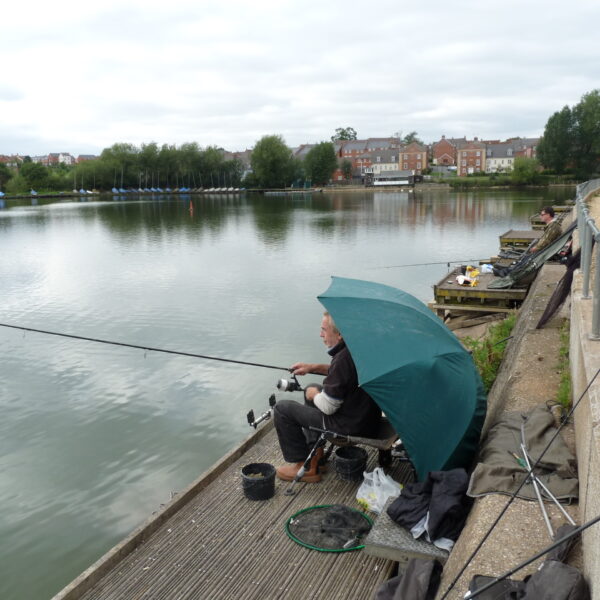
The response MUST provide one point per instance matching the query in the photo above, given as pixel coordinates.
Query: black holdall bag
(554, 580)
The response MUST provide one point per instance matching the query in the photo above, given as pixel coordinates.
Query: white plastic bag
(375, 489)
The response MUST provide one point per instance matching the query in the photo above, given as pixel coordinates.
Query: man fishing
(552, 229)
(338, 405)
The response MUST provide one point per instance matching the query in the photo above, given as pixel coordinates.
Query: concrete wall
(585, 363)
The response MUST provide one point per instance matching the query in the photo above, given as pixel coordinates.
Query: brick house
(444, 152)
(470, 158)
(302, 150)
(525, 146)
(11, 161)
(352, 149)
(381, 144)
(499, 158)
(413, 157)
(56, 158)
(83, 157)
(383, 160)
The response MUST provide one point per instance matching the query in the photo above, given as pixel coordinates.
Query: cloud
(92, 75)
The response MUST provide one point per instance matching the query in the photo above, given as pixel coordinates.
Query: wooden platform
(212, 542)
(449, 295)
(518, 238)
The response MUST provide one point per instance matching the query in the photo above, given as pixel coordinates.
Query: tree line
(131, 167)
(149, 166)
(571, 140)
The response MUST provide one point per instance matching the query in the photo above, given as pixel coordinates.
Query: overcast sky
(80, 76)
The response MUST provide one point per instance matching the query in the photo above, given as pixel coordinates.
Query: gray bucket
(350, 462)
(258, 481)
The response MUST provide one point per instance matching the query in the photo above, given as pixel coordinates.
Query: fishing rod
(145, 348)
(514, 494)
(444, 262)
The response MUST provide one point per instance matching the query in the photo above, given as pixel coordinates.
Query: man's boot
(289, 471)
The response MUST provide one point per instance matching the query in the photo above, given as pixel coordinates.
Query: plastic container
(350, 462)
(258, 481)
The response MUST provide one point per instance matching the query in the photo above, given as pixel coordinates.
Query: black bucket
(258, 481)
(350, 462)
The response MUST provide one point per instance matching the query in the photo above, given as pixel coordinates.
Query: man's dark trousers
(291, 419)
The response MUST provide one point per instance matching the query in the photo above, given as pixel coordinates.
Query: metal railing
(589, 232)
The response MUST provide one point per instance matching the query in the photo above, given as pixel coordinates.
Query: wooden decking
(515, 238)
(212, 542)
(449, 295)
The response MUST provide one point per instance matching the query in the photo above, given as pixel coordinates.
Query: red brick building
(470, 159)
(444, 152)
(413, 157)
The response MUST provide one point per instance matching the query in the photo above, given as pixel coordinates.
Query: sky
(80, 76)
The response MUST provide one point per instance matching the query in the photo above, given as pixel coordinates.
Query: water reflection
(273, 215)
(95, 437)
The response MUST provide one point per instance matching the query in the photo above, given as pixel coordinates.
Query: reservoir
(96, 437)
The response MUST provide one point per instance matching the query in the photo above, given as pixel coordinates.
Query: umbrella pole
(305, 466)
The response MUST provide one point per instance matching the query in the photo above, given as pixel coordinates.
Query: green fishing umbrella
(414, 368)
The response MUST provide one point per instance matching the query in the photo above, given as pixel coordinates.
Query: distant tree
(411, 137)
(525, 170)
(17, 185)
(571, 138)
(344, 133)
(556, 146)
(5, 175)
(272, 162)
(320, 163)
(347, 169)
(148, 165)
(35, 174)
(167, 159)
(586, 117)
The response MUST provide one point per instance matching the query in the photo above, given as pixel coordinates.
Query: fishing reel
(266, 415)
(289, 385)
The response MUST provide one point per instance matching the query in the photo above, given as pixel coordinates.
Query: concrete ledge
(526, 379)
(585, 362)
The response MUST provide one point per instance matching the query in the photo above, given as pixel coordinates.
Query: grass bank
(488, 352)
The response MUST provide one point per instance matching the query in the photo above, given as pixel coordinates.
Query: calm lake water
(94, 437)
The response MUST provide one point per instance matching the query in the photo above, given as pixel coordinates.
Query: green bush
(487, 353)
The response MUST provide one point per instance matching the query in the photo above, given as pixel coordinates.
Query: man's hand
(301, 368)
(310, 393)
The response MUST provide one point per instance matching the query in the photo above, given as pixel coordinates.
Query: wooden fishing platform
(518, 238)
(210, 542)
(450, 296)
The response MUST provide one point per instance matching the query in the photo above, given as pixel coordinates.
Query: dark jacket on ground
(443, 495)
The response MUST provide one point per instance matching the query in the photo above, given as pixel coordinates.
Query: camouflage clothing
(552, 232)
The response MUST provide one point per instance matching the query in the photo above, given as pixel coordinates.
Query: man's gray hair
(332, 322)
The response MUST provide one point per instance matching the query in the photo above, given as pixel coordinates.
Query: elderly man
(552, 229)
(338, 405)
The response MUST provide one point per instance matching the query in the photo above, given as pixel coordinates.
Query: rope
(514, 495)
(146, 348)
